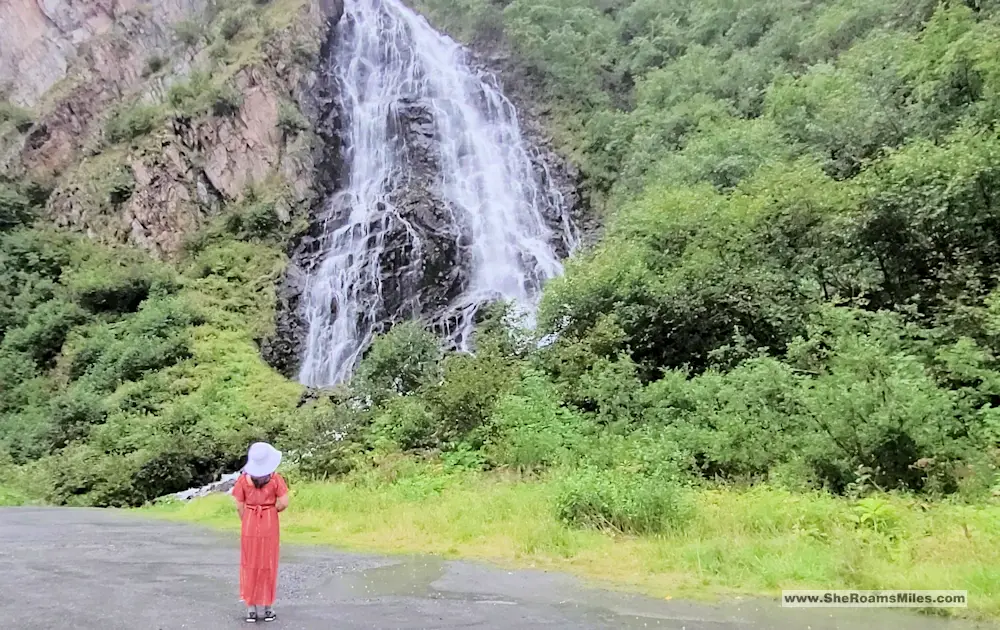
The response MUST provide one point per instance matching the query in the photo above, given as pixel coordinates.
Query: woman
(260, 494)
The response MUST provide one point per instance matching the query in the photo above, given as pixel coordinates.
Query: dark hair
(260, 482)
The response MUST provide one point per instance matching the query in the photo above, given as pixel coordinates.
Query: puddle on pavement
(412, 577)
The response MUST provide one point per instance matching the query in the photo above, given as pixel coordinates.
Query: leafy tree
(399, 362)
(15, 208)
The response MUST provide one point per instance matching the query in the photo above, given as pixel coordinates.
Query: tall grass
(750, 541)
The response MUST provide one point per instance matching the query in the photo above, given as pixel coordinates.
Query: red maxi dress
(259, 540)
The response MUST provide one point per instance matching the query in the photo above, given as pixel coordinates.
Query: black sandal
(251, 616)
(269, 615)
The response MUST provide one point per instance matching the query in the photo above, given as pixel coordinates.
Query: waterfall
(439, 188)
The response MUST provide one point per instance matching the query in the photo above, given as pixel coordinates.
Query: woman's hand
(281, 503)
(241, 508)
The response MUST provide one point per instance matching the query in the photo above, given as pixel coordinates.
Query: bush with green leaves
(225, 100)
(31, 263)
(15, 208)
(231, 23)
(797, 282)
(115, 283)
(465, 399)
(130, 122)
(189, 32)
(254, 219)
(189, 93)
(72, 414)
(531, 429)
(120, 186)
(45, 330)
(399, 362)
(855, 393)
(403, 423)
(122, 380)
(19, 117)
(156, 336)
(620, 501)
(290, 119)
(154, 63)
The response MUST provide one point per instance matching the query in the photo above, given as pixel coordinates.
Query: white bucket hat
(262, 459)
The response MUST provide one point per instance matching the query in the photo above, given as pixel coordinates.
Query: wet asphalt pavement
(93, 569)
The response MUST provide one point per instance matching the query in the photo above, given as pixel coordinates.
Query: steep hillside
(799, 269)
(162, 153)
(147, 118)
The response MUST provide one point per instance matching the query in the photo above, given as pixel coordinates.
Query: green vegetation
(798, 276)
(189, 32)
(15, 207)
(236, 32)
(131, 122)
(780, 366)
(124, 378)
(290, 119)
(635, 82)
(226, 100)
(154, 63)
(18, 117)
(103, 182)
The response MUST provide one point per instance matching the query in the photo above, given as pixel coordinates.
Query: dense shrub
(73, 413)
(403, 423)
(399, 362)
(120, 186)
(154, 338)
(189, 93)
(463, 402)
(225, 100)
(97, 381)
(290, 119)
(19, 117)
(40, 253)
(231, 23)
(622, 502)
(117, 288)
(175, 468)
(130, 122)
(189, 32)
(531, 430)
(253, 220)
(44, 331)
(323, 439)
(15, 208)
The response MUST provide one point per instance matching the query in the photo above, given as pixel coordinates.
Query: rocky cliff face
(197, 92)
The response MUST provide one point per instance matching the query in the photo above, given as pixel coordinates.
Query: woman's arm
(240, 495)
(281, 490)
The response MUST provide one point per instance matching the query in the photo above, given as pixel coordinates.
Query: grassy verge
(750, 541)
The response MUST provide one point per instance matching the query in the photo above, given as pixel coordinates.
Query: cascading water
(395, 73)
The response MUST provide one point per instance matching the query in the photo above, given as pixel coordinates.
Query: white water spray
(387, 56)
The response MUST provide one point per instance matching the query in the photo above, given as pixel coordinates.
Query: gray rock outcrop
(75, 63)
